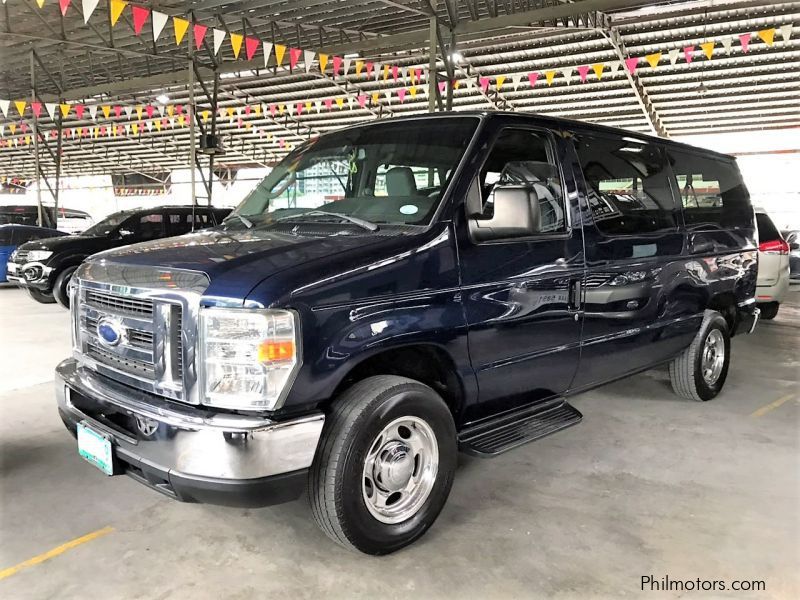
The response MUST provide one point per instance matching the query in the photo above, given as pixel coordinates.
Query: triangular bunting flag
(219, 37)
(323, 62)
(250, 47)
(631, 63)
(116, 7)
(369, 66)
(708, 49)
(117, 111)
(567, 73)
(786, 32)
(727, 43)
(20, 104)
(337, 65)
(294, 56)
(139, 112)
(441, 85)
(499, 81)
(340, 103)
(515, 79)
(688, 53)
(199, 34)
(549, 75)
(159, 22)
(673, 55)
(79, 108)
(63, 5)
(128, 111)
(653, 59)
(180, 26)
(767, 36)
(359, 66)
(106, 111)
(532, 77)
(484, 83)
(50, 107)
(744, 40)
(346, 63)
(140, 14)
(64, 109)
(4, 104)
(614, 67)
(598, 70)
(267, 51)
(401, 93)
(583, 72)
(88, 7)
(280, 50)
(236, 43)
(36, 109)
(93, 112)
(308, 59)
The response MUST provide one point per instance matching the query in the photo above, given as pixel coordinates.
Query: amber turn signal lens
(275, 351)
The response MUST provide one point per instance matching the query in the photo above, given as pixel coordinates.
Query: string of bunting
(161, 117)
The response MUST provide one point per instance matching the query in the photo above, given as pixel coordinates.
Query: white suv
(773, 266)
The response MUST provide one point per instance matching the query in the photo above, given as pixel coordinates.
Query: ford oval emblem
(110, 331)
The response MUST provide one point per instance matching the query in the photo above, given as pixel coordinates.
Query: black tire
(40, 296)
(61, 286)
(769, 310)
(335, 481)
(686, 370)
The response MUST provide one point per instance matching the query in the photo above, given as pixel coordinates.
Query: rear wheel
(699, 372)
(40, 296)
(769, 310)
(61, 286)
(384, 466)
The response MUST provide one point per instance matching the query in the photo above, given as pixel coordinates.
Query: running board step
(517, 427)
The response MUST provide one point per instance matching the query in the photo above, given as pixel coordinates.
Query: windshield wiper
(369, 226)
(247, 222)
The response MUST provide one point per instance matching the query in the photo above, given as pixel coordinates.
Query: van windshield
(391, 173)
(107, 225)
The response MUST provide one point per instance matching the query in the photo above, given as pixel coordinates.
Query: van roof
(546, 121)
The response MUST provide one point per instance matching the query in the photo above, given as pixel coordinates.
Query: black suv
(45, 267)
(396, 291)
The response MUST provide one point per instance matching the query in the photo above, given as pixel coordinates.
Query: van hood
(236, 261)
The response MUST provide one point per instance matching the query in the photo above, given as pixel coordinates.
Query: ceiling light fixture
(456, 57)
(162, 99)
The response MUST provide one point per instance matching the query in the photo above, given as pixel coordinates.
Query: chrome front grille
(135, 337)
(139, 368)
(119, 304)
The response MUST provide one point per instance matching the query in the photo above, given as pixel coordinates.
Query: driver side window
(522, 157)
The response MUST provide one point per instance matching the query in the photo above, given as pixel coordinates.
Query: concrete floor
(647, 484)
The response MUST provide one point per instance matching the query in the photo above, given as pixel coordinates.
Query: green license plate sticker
(95, 448)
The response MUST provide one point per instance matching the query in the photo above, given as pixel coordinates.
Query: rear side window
(767, 232)
(180, 223)
(712, 192)
(628, 185)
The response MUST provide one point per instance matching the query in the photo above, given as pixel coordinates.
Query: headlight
(248, 357)
(39, 255)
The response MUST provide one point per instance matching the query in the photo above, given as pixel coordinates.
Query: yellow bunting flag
(157, 123)
(708, 49)
(550, 75)
(205, 116)
(116, 8)
(20, 104)
(457, 84)
(598, 70)
(39, 2)
(139, 111)
(180, 26)
(257, 108)
(281, 108)
(767, 35)
(229, 112)
(181, 120)
(501, 79)
(12, 127)
(653, 59)
(308, 105)
(340, 102)
(359, 66)
(64, 109)
(106, 111)
(135, 128)
(280, 50)
(323, 62)
(412, 90)
(375, 96)
(170, 110)
(236, 43)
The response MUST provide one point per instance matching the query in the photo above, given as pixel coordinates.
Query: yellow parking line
(54, 552)
(771, 406)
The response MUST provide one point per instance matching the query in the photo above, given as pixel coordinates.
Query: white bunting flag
(318, 105)
(159, 22)
(308, 59)
(161, 110)
(50, 107)
(614, 67)
(88, 8)
(93, 111)
(267, 52)
(388, 95)
(378, 71)
(4, 104)
(515, 79)
(149, 125)
(786, 32)
(350, 102)
(2, 127)
(673, 55)
(567, 73)
(129, 111)
(727, 43)
(290, 108)
(470, 83)
(347, 62)
(404, 73)
(219, 37)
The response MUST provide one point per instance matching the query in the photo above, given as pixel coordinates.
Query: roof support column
(40, 220)
(192, 133)
(432, 83)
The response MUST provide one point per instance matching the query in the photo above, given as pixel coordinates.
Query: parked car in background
(773, 266)
(792, 237)
(12, 236)
(73, 221)
(394, 291)
(46, 266)
(19, 214)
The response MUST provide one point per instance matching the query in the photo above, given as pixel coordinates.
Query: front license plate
(96, 448)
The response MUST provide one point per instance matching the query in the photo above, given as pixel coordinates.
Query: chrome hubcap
(713, 356)
(400, 470)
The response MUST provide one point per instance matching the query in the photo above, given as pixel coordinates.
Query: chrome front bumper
(33, 274)
(189, 452)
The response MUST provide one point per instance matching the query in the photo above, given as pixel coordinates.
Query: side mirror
(516, 214)
(123, 233)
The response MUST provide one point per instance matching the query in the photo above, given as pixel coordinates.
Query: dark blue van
(12, 235)
(394, 292)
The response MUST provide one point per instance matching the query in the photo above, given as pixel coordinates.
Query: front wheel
(699, 372)
(40, 296)
(384, 466)
(61, 286)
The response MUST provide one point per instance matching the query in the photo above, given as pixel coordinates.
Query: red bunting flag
(442, 85)
(688, 53)
(64, 5)
(362, 100)
(337, 65)
(484, 83)
(299, 107)
(250, 47)
(140, 15)
(118, 111)
(630, 64)
(532, 77)
(149, 111)
(199, 33)
(294, 56)
(329, 103)
(36, 107)
(583, 72)
(744, 40)
(401, 93)
(79, 108)
(369, 66)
